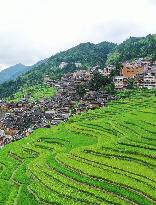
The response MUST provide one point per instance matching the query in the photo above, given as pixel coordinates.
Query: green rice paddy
(105, 156)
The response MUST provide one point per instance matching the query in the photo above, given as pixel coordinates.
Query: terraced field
(106, 156)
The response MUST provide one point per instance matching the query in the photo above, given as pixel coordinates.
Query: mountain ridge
(134, 47)
(12, 72)
(88, 55)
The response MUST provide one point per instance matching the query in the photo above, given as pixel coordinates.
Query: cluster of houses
(18, 120)
(142, 71)
(67, 101)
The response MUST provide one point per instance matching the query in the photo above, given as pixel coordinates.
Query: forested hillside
(134, 47)
(88, 54)
(106, 156)
(13, 72)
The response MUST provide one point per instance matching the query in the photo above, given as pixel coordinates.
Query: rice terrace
(104, 156)
(78, 102)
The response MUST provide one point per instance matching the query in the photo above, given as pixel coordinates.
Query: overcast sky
(31, 30)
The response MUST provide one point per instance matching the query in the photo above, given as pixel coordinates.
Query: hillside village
(78, 102)
(20, 119)
(142, 71)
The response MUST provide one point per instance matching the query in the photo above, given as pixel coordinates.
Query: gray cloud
(117, 30)
(35, 29)
(16, 48)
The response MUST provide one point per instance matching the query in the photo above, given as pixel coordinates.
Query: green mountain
(88, 54)
(134, 47)
(105, 156)
(13, 72)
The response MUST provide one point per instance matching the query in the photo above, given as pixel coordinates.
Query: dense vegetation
(89, 55)
(105, 156)
(132, 48)
(97, 83)
(33, 93)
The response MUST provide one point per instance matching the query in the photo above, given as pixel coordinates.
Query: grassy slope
(37, 92)
(107, 156)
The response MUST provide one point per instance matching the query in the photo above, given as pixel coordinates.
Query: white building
(107, 71)
(120, 82)
(149, 81)
(78, 65)
(62, 65)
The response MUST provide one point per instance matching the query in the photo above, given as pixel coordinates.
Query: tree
(116, 71)
(130, 84)
(98, 81)
(113, 58)
(153, 57)
(81, 90)
(70, 67)
(110, 88)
